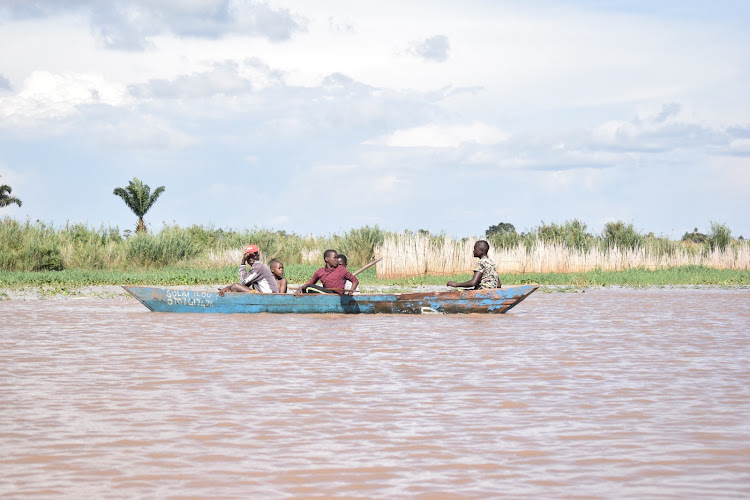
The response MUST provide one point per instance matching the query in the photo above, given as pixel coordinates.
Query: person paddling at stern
(332, 276)
(258, 276)
(485, 272)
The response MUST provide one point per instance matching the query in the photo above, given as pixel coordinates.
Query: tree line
(618, 234)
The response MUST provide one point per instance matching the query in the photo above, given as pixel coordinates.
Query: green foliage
(138, 197)
(5, 197)
(719, 237)
(191, 252)
(504, 240)
(275, 245)
(45, 257)
(503, 235)
(571, 233)
(695, 237)
(164, 249)
(660, 245)
(205, 237)
(359, 244)
(621, 235)
(28, 247)
(500, 228)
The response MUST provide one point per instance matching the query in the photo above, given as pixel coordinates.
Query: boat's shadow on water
(349, 304)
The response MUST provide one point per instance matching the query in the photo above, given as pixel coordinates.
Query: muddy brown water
(612, 393)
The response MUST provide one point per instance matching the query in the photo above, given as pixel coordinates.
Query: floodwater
(611, 393)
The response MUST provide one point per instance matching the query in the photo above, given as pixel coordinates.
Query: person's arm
(349, 276)
(282, 285)
(472, 283)
(312, 281)
(249, 278)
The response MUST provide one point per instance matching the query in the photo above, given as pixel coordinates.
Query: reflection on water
(612, 393)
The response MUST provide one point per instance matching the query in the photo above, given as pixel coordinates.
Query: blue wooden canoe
(495, 301)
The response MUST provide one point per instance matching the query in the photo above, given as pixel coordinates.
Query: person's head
(343, 261)
(481, 248)
(277, 268)
(252, 252)
(331, 258)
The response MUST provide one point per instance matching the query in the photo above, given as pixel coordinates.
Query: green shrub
(45, 257)
(572, 234)
(660, 246)
(359, 244)
(621, 235)
(29, 247)
(695, 236)
(719, 237)
(163, 249)
(501, 228)
(508, 239)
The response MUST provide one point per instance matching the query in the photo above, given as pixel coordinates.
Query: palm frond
(5, 198)
(137, 196)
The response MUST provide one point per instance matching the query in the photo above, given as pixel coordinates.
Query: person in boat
(343, 261)
(333, 277)
(277, 269)
(254, 275)
(485, 272)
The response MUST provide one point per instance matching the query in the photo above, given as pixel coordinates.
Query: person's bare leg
(234, 287)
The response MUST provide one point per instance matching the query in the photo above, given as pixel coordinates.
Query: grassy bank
(299, 273)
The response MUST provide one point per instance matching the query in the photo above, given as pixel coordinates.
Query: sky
(318, 117)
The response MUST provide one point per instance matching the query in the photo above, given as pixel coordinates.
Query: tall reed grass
(413, 254)
(567, 248)
(38, 246)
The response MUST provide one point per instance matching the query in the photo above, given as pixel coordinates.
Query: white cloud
(740, 147)
(442, 136)
(654, 132)
(434, 48)
(223, 78)
(48, 96)
(139, 132)
(131, 24)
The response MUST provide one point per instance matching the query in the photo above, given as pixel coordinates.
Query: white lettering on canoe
(190, 298)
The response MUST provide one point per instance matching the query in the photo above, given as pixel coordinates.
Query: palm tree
(138, 197)
(5, 197)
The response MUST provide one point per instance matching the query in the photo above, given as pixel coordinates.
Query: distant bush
(695, 237)
(661, 246)
(507, 239)
(499, 229)
(719, 237)
(29, 247)
(503, 235)
(572, 234)
(359, 244)
(621, 235)
(166, 248)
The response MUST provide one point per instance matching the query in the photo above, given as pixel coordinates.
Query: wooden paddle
(367, 266)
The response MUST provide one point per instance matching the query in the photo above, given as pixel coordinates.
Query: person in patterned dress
(485, 272)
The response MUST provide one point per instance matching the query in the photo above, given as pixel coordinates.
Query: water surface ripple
(612, 393)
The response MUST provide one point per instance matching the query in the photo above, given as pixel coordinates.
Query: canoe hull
(453, 302)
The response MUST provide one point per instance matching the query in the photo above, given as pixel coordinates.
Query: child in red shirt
(332, 276)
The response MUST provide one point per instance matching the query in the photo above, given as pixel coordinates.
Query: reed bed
(34, 247)
(414, 254)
